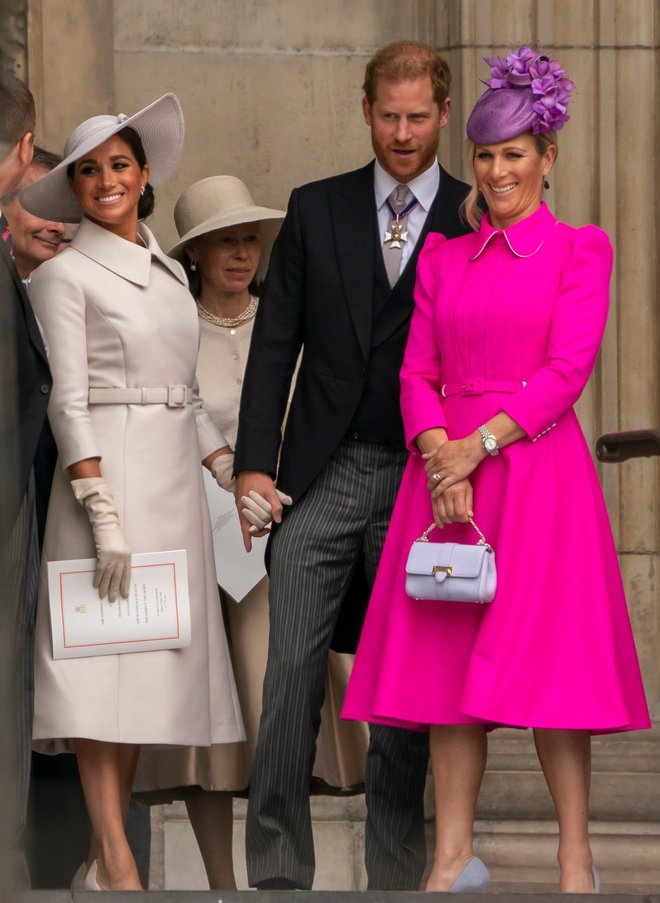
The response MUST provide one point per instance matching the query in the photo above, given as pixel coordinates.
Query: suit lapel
(442, 217)
(353, 214)
(23, 302)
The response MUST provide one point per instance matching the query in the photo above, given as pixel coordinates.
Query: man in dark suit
(339, 287)
(24, 392)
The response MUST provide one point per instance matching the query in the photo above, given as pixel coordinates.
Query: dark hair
(131, 138)
(41, 158)
(406, 61)
(44, 158)
(194, 279)
(17, 112)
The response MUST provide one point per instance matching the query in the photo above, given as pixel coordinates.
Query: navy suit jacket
(318, 296)
(26, 385)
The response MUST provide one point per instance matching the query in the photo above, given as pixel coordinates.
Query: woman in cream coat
(131, 430)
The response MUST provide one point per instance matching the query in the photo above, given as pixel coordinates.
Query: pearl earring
(193, 266)
(142, 191)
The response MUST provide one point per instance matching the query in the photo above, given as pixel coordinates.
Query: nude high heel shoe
(78, 880)
(474, 878)
(90, 878)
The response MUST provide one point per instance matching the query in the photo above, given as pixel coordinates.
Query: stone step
(521, 853)
(515, 832)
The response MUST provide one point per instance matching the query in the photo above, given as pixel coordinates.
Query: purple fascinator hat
(527, 92)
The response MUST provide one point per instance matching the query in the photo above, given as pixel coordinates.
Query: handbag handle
(482, 541)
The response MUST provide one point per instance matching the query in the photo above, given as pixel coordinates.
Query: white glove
(113, 557)
(258, 511)
(222, 469)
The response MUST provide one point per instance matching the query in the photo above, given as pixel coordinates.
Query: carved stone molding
(13, 37)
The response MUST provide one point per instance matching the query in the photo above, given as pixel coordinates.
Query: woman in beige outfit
(119, 320)
(225, 244)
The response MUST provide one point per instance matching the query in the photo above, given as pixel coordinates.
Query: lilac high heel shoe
(474, 878)
(596, 874)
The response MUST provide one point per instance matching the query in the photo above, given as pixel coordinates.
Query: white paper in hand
(237, 570)
(156, 614)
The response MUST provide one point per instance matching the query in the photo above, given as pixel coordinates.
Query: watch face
(490, 444)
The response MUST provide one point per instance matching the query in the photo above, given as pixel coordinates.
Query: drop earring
(142, 192)
(193, 266)
(546, 184)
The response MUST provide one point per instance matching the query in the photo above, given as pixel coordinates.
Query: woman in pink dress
(505, 333)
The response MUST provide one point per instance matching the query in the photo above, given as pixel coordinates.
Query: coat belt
(479, 386)
(172, 396)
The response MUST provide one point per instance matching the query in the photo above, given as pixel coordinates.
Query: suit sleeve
(578, 322)
(421, 405)
(59, 303)
(274, 348)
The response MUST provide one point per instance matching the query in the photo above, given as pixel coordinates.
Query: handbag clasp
(442, 569)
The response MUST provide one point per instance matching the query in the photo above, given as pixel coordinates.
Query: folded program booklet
(156, 614)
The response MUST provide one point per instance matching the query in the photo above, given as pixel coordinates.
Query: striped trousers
(342, 516)
(18, 596)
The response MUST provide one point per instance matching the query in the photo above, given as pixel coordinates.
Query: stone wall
(271, 93)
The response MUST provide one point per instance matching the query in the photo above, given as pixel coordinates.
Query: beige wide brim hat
(160, 127)
(218, 202)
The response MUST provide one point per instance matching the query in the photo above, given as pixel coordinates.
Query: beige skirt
(164, 774)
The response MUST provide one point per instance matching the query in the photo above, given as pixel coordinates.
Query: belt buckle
(176, 396)
(473, 386)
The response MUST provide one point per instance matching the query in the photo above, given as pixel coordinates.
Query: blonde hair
(470, 211)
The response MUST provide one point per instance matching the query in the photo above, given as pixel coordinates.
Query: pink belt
(479, 386)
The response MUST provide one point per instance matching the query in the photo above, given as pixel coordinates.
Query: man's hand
(261, 483)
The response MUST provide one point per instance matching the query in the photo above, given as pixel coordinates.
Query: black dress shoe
(276, 884)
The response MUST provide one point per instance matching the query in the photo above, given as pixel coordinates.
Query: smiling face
(405, 124)
(510, 177)
(227, 259)
(107, 183)
(34, 240)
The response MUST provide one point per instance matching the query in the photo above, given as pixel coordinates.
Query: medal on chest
(398, 233)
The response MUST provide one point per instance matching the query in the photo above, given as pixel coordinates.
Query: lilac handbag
(451, 571)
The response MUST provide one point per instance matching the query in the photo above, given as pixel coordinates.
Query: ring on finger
(437, 477)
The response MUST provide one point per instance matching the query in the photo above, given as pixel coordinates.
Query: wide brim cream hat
(160, 127)
(218, 202)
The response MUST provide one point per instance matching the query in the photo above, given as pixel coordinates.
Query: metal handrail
(616, 447)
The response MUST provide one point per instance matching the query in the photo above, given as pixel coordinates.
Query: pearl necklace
(227, 322)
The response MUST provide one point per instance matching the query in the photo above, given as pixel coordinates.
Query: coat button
(356, 435)
(44, 389)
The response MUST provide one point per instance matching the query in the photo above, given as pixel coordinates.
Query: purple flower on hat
(526, 68)
(519, 63)
(499, 71)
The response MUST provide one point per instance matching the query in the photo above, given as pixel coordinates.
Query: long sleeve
(208, 435)
(59, 304)
(276, 343)
(421, 404)
(578, 322)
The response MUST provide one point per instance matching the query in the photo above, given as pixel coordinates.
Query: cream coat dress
(342, 745)
(119, 314)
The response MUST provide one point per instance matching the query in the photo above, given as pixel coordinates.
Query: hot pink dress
(522, 310)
